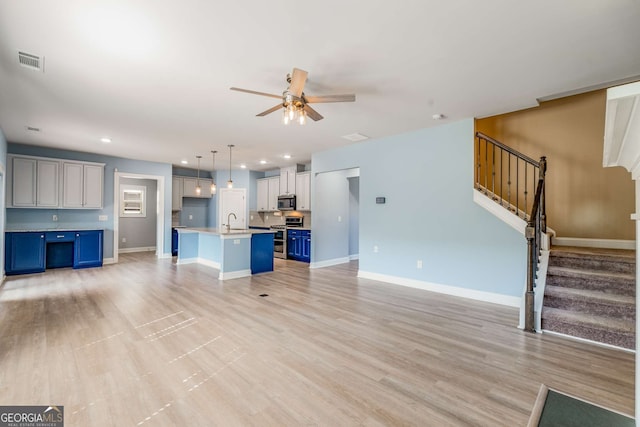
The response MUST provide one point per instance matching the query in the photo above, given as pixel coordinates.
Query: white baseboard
(473, 294)
(107, 261)
(329, 262)
(354, 257)
(208, 263)
(594, 243)
(187, 261)
(133, 250)
(234, 274)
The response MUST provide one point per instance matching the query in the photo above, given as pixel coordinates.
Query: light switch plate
(103, 217)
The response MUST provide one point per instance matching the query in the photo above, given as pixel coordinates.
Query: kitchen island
(236, 253)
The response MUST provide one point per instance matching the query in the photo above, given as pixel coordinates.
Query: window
(133, 201)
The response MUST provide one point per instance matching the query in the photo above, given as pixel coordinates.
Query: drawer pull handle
(60, 236)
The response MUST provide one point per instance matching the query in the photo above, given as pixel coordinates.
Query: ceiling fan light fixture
(302, 118)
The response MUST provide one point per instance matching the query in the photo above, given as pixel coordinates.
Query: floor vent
(31, 61)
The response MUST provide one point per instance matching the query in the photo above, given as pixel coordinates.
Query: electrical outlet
(190, 216)
(419, 264)
(375, 249)
(339, 218)
(55, 217)
(251, 217)
(103, 217)
(236, 241)
(124, 240)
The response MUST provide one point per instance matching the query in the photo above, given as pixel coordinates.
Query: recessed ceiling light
(287, 156)
(243, 166)
(438, 116)
(355, 137)
(106, 140)
(263, 162)
(184, 162)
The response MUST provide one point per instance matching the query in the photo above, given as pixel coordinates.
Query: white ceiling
(154, 75)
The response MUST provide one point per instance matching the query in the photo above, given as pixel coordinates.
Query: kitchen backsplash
(267, 219)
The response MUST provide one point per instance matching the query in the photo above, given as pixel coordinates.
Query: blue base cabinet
(88, 249)
(261, 253)
(299, 245)
(32, 252)
(24, 253)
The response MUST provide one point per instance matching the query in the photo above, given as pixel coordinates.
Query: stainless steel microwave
(287, 203)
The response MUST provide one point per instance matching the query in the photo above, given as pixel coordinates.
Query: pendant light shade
(198, 188)
(230, 182)
(213, 172)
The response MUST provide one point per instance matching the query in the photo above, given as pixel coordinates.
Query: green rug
(560, 410)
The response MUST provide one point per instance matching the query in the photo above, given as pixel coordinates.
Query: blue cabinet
(88, 249)
(261, 253)
(32, 252)
(299, 245)
(24, 253)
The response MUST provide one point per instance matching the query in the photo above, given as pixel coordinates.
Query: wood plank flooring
(149, 343)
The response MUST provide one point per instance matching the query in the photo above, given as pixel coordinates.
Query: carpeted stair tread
(622, 283)
(590, 320)
(615, 262)
(590, 293)
(594, 328)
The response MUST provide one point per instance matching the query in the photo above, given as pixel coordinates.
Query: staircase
(590, 293)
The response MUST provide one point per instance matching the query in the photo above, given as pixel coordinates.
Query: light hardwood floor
(149, 343)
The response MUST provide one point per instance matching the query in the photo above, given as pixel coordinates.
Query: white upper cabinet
(274, 187)
(48, 183)
(262, 195)
(303, 191)
(189, 187)
(82, 185)
(176, 193)
(34, 182)
(268, 190)
(288, 179)
(41, 182)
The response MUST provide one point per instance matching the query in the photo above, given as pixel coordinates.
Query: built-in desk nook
(34, 251)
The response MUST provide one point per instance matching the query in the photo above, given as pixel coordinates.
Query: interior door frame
(160, 232)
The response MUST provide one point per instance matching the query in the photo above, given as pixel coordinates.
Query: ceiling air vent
(355, 137)
(31, 61)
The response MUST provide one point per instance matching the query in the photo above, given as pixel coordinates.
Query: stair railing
(497, 167)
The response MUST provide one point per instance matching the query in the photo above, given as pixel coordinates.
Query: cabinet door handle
(59, 236)
(77, 235)
(42, 236)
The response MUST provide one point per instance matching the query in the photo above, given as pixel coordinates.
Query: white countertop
(44, 230)
(223, 231)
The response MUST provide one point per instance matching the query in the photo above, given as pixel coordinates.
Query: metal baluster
(486, 162)
(493, 170)
(501, 178)
(509, 181)
(526, 188)
(517, 187)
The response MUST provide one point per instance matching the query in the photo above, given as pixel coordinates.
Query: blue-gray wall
(429, 215)
(71, 218)
(3, 168)
(140, 232)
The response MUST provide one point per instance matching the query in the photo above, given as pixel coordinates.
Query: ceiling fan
(295, 102)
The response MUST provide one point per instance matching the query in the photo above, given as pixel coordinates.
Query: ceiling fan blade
(313, 114)
(330, 98)
(270, 110)
(256, 93)
(298, 79)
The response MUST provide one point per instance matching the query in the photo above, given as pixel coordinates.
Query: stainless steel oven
(279, 241)
(280, 236)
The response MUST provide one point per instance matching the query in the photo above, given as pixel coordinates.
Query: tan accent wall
(584, 199)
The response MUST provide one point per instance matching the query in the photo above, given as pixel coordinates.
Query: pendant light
(198, 188)
(213, 172)
(230, 182)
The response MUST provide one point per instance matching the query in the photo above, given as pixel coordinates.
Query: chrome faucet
(229, 220)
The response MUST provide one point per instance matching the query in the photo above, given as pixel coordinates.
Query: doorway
(155, 209)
